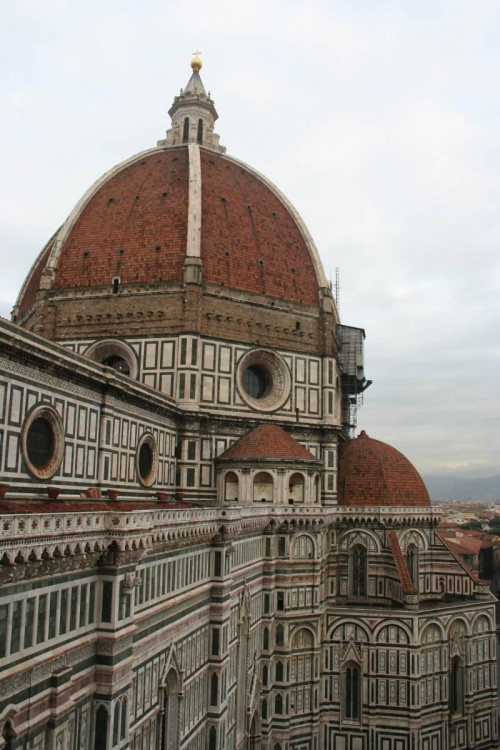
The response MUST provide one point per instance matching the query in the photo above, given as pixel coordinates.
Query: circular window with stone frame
(146, 460)
(115, 354)
(42, 441)
(263, 380)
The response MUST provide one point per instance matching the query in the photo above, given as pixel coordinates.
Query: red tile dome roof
(374, 473)
(133, 224)
(268, 442)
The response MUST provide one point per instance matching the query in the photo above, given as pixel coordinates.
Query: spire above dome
(193, 114)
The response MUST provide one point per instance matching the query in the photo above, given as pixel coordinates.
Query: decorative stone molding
(50, 415)
(100, 350)
(278, 375)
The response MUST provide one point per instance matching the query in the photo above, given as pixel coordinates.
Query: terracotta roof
(249, 241)
(135, 226)
(404, 575)
(374, 473)
(267, 441)
(464, 546)
(141, 208)
(460, 560)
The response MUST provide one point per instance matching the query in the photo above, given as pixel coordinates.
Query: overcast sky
(379, 120)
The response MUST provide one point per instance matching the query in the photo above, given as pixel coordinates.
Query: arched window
(263, 486)
(101, 728)
(231, 487)
(412, 563)
(116, 724)
(123, 727)
(265, 675)
(359, 570)
(302, 548)
(264, 708)
(278, 704)
(214, 689)
(280, 635)
(185, 132)
(200, 131)
(279, 671)
(265, 639)
(352, 708)
(8, 735)
(212, 739)
(456, 686)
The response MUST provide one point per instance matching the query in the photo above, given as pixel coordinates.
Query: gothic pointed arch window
(8, 735)
(280, 635)
(214, 689)
(265, 639)
(185, 130)
(279, 671)
(199, 135)
(352, 692)
(278, 704)
(123, 724)
(101, 728)
(456, 686)
(116, 723)
(264, 708)
(265, 675)
(412, 563)
(358, 573)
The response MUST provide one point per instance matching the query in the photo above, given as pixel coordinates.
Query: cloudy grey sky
(379, 119)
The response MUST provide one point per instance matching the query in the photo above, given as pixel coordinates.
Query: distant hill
(462, 488)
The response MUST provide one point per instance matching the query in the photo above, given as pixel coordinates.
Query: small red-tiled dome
(267, 442)
(134, 224)
(374, 473)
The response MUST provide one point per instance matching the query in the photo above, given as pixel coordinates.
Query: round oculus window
(117, 363)
(43, 442)
(257, 381)
(40, 442)
(263, 380)
(146, 460)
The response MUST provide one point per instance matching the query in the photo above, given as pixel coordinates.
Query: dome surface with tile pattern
(186, 198)
(374, 473)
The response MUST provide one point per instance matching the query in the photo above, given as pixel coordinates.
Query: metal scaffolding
(353, 378)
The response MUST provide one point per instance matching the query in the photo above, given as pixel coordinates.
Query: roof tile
(268, 441)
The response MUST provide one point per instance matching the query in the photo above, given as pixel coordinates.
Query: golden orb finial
(196, 63)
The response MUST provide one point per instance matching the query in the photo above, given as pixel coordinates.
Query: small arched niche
(263, 488)
(231, 487)
(317, 490)
(296, 489)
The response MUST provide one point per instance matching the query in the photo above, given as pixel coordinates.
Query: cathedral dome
(374, 473)
(183, 203)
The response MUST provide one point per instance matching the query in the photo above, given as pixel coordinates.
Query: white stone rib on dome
(194, 211)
